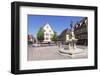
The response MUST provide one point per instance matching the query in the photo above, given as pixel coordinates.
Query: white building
(48, 32)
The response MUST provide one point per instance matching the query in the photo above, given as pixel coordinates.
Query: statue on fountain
(72, 41)
(72, 49)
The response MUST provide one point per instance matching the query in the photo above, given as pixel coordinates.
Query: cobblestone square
(51, 53)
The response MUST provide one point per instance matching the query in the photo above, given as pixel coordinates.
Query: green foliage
(54, 37)
(30, 42)
(40, 35)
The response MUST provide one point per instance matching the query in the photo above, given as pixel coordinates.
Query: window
(47, 34)
(46, 38)
(47, 26)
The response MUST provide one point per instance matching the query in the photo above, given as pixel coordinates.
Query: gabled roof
(78, 24)
(46, 24)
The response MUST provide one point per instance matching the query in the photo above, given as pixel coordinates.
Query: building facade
(31, 39)
(48, 32)
(81, 31)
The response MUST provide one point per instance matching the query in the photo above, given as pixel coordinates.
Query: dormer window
(47, 26)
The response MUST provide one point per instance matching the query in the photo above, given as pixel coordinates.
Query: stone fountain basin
(72, 51)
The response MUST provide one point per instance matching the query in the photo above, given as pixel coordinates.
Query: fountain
(71, 50)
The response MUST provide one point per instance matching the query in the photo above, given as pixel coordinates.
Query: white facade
(48, 33)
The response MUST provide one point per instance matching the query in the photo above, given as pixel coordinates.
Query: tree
(54, 37)
(40, 35)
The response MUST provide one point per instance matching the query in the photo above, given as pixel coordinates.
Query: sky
(57, 23)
